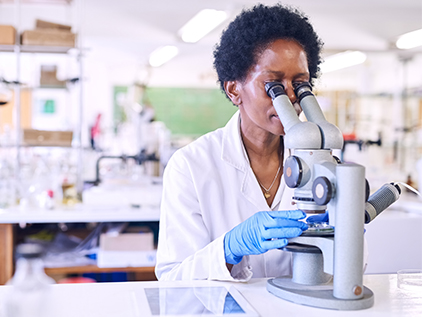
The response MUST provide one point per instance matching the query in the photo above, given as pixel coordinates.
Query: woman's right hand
(318, 218)
(262, 232)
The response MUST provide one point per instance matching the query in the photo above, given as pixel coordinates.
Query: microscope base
(320, 296)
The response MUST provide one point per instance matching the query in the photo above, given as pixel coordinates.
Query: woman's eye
(297, 83)
(272, 81)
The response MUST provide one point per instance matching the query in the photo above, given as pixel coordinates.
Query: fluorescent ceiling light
(162, 55)
(410, 40)
(201, 24)
(342, 60)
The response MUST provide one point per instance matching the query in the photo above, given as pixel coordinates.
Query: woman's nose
(297, 107)
(290, 92)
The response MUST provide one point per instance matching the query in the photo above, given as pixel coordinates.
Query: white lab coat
(209, 188)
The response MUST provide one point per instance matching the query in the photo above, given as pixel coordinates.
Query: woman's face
(283, 61)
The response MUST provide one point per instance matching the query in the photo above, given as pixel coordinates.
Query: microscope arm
(332, 137)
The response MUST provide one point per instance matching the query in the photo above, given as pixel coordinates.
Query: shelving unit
(37, 49)
(7, 48)
(11, 217)
(141, 273)
(18, 49)
(96, 269)
(6, 252)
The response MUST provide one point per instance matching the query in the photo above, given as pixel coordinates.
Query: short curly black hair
(253, 30)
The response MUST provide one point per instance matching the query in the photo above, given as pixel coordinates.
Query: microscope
(327, 267)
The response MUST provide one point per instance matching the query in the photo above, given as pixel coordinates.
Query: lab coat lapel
(252, 192)
(281, 191)
(233, 153)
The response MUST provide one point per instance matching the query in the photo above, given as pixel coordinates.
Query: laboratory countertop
(129, 299)
(407, 207)
(80, 213)
(105, 203)
(408, 202)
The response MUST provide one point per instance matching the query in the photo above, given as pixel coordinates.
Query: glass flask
(30, 286)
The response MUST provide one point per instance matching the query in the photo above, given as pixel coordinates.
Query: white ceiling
(122, 33)
(136, 28)
(342, 24)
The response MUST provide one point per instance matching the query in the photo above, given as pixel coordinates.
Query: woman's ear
(232, 91)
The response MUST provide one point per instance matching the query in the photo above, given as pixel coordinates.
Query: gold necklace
(267, 191)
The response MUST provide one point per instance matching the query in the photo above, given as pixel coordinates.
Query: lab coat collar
(234, 153)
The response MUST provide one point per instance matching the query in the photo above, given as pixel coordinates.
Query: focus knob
(322, 190)
(293, 171)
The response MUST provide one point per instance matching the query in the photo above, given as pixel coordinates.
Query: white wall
(382, 72)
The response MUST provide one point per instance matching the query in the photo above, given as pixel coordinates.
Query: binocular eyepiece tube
(381, 200)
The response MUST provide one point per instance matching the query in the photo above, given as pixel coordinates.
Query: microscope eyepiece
(274, 89)
(302, 90)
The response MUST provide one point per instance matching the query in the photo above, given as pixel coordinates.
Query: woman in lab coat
(225, 208)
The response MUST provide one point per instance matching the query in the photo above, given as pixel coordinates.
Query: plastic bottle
(30, 291)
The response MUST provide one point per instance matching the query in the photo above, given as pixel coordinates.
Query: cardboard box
(126, 258)
(8, 112)
(48, 77)
(127, 242)
(41, 24)
(7, 35)
(126, 250)
(47, 138)
(48, 37)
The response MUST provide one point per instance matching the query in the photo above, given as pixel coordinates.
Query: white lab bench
(78, 213)
(394, 238)
(128, 299)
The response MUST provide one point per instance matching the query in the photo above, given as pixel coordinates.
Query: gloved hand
(262, 232)
(318, 218)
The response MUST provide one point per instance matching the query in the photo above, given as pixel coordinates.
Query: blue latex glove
(262, 232)
(318, 218)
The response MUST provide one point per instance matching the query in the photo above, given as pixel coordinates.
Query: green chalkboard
(119, 115)
(190, 111)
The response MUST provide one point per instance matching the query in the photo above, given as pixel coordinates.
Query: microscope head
(310, 143)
